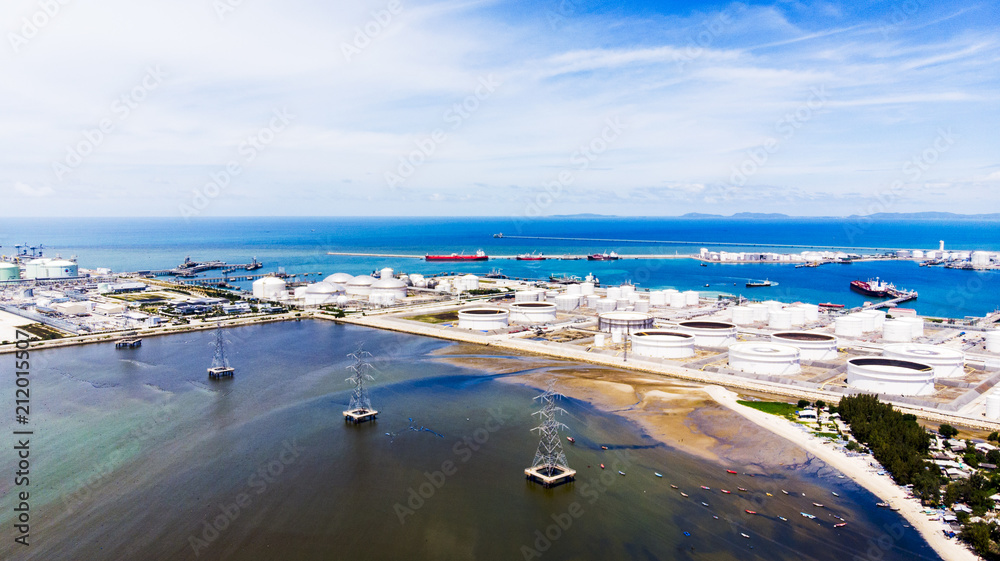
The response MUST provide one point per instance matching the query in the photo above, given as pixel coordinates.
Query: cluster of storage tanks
(775, 315)
(336, 289)
(41, 268)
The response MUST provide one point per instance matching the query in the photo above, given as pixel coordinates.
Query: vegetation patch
(778, 408)
(445, 317)
(42, 331)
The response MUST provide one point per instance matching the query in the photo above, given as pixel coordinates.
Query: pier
(692, 242)
(128, 343)
(902, 297)
(357, 416)
(221, 372)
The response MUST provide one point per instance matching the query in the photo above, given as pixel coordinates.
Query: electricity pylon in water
(550, 466)
(360, 409)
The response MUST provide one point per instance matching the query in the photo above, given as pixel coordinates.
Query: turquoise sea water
(136, 455)
(301, 244)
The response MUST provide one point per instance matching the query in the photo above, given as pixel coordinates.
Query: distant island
(876, 216)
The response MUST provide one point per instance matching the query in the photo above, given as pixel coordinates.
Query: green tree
(994, 436)
(927, 484)
(803, 403)
(978, 536)
(948, 431)
(820, 404)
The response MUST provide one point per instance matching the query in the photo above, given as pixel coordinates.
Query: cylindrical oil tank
(773, 305)
(567, 302)
(599, 339)
(624, 321)
(662, 343)
(587, 288)
(483, 319)
(779, 319)
(627, 290)
(605, 305)
(677, 300)
(764, 358)
(592, 300)
(715, 334)
(993, 341)
(890, 376)
(528, 296)
(614, 292)
(812, 312)
(879, 316)
(798, 315)
(622, 303)
(916, 326)
(532, 312)
(386, 273)
(691, 297)
(759, 312)
(550, 295)
(742, 315)
(360, 286)
(418, 280)
(9, 272)
(657, 298)
(867, 321)
(993, 405)
(848, 326)
(642, 306)
(574, 290)
(812, 346)
(947, 362)
(895, 331)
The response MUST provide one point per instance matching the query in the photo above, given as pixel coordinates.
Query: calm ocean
(301, 244)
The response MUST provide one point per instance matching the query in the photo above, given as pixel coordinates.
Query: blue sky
(399, 107)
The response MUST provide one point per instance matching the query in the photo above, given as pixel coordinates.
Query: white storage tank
(627, 290)
(622, 303)
(662, 343)
(811, 346)
(677, 300)
(714, 334)
(388, 290)
(691, 297)
(418, 280)
(483, 319)
(268, 288)
(528, 295)
(621, 322)
(9, 272)
(468, 282)
(574, 290)
(993, 341)
(586, 288)
(532, 312)
(798, 316)
(360, 286)
(867, 321)
(742, 315)
(605, 305)
(642, 306)
(759, 312)
(339, 278)
(599, 340)
(764, 358)
(567, 302)
(443, 286)
(550, 295)
(300, 292)
(386, 273)
(321, 293)
(779, 319)
(811, 311)
(916, 326)
(993, 405)
(657, 298)
(773, 305)
(614, 292)
(947, 362)
(890, 376)
(896, 331)
(848, 326)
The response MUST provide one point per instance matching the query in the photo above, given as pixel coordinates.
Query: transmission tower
(220, 364)
(550, 465)
(360, 409)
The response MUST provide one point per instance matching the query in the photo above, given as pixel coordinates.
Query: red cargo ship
(530, 257)
(479, 256)
(603, 257)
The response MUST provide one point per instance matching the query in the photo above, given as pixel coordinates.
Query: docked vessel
(603, 256)
(530, 257)
(880, 289)
(830, 305)
(480, 255)
(752, 284)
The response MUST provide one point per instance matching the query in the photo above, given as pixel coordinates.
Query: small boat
(834, 493)
(894, 508)
(604, 447)
(785, 492)
(807, 515)
(602, 466)
(706, 488)
(683, 494)
(706, 285)
(748, 511)
(754, 284)
(703, 503)
(672, 486)
(783, 519)
(742, 489)
(688, 534)
(704, 265)
(769, 494)
(620, 472)
(657, 474)
(730, 471)
(882, 505)
(571, 439)
(841, 525)
(817, 505)
(727, 492)
(744, 535)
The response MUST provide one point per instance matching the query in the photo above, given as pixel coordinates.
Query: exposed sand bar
(857, 469)
(580, 354)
